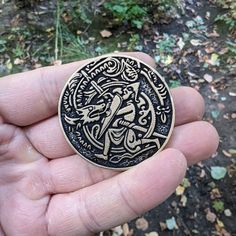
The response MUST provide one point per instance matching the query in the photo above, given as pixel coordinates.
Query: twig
(57, 29)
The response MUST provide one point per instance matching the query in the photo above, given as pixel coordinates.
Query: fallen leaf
(106, 33)
(190, 23)
(195, 231)
(157, 58)
(183, 200)
(18, 61)
(232, 151)
(220, 223)
(227, 154)
(213, 34)
(117, 231)
(199, 20)
(163, 226)
(196, 42)
(210, 216)
(9, 64)
(203, 173)
(208, 78)
(215, 193)
(218, 205)
(152, 234)
(171, 223)
(185, 183)
(167, 60)
(126, 230)
(232, 94)
(181, 43)
(218, 172)
(208, 14)
(215, 114)
(214, 59)
(142, 224)
(174, 83)
(179, 190)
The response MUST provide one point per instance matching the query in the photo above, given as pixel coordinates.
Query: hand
(45, 189)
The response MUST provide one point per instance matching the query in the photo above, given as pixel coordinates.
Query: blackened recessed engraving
(116, 111)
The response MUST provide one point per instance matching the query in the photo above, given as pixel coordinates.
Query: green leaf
(186, 183)
(218, 172)
(137, 11)
(119, 9)
(2, 41)
(137, 23)
(171, 223)
(174, 83)
(190, 23)
(215, 114)
(218, 205)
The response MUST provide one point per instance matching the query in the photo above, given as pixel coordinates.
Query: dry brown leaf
(215, 193)
(203, 173)
(106, 33)
(141, 223)
(163, 226)
(126, 230)
(183, 200)
(227, 154)
(210, 216)
(179, 190)
(208, 78)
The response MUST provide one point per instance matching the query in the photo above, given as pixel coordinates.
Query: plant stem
(57, 29)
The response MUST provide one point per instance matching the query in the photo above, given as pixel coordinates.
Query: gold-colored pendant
(116, 112)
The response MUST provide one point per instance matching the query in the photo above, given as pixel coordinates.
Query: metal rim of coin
(116, 111)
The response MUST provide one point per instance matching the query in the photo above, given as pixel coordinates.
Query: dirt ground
(196, 54)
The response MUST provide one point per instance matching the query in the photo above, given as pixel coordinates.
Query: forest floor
(190, 49)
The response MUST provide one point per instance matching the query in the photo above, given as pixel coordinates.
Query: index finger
(29, 97)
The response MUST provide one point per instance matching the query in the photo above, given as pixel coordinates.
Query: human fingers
(189, 107)
(32, 96)
(118, 199)
(196, 140)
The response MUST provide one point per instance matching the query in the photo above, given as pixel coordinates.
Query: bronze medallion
(116, 111)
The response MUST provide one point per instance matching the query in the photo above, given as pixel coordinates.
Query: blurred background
(193, 43)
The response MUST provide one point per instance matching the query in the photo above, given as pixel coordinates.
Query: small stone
(233, 115)
(232, 94)
(227, 212)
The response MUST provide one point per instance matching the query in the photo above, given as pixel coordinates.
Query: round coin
(116, 111)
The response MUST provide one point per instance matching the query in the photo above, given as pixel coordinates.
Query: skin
(45, 189)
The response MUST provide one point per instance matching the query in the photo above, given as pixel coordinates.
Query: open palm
(45, 189)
